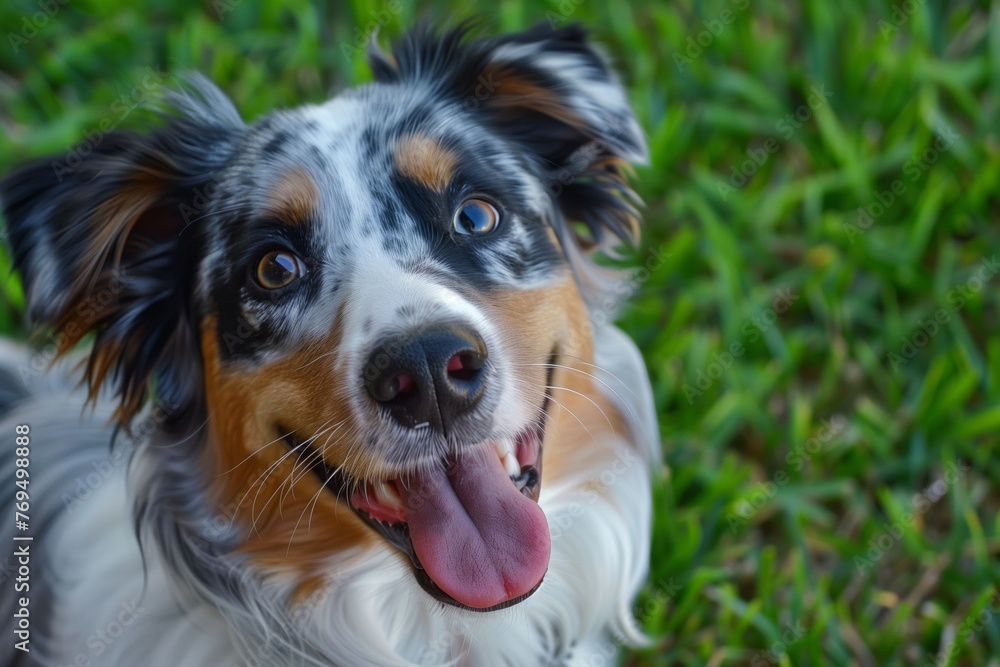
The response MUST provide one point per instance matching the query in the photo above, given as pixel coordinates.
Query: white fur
(372, 612)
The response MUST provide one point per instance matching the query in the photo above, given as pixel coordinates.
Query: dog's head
(373, 302)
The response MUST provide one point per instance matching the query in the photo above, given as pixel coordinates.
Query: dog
(338, 387)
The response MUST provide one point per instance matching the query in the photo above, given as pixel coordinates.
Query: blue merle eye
(278, 269)
(476, 217)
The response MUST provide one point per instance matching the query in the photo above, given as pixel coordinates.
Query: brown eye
(476, 217)
(278, 269)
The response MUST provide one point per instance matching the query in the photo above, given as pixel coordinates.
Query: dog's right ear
(553, 92)
(96, 237)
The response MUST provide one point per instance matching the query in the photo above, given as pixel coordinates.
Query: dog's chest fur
(104, 605)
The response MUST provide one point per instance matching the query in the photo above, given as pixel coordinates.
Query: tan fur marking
(581, 418)
(292, 522)
(294, 198)
(115, 220)
(303, 394)
(130, 217)
(516, 93)
(424, 160)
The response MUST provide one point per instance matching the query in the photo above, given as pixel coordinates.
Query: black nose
(432, 377)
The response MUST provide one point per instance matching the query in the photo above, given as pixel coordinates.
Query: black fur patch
(134, 291)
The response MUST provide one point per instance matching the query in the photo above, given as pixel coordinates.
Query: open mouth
(470, 525)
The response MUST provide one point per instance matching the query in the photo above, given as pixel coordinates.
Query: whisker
(185, 438)
(336, 470)
(318, 454)
(259, 482)
(314, 455)
(325, 354)
(251, 454)
(573, 414)
(304, 444)
(594, 403)
(231, 209)
(314, 501)
(260, 479)
(590, 375)
(603, 370)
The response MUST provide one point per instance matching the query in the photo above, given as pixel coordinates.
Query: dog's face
(373, 303)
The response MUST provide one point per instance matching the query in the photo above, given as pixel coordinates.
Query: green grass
(811, 407)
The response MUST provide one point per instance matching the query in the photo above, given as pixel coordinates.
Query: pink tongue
(479, 538)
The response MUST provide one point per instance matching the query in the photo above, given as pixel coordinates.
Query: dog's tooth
(505, 446)
(387, 495)
(511, 464)
(500, 447)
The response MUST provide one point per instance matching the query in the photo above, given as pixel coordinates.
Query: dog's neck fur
(372, 612)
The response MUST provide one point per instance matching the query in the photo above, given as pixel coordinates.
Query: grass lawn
(821, 328)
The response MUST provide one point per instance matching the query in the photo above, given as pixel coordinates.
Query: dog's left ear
(99, 238)
(551, 92)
